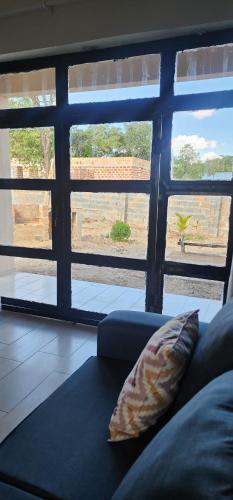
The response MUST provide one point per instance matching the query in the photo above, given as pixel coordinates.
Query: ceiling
(10, 8)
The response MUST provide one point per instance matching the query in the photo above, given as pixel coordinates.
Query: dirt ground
(135, 247)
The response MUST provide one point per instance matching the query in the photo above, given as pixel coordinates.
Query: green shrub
(120, 231)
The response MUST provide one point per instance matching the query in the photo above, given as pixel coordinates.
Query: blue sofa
(61, 451)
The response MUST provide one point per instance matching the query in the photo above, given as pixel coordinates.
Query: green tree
(33, 147)
(96, 141)
(132, 139)
(137, 140)
(226, 163)
(187, 165)
(221, 164)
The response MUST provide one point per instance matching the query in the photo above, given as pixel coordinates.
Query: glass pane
(27, 153)
(111, 151)
(103, 289)
(110, 223)
(205, 69)
(25, 218)
(130, 78)
(28, 279)
(197, 229)
(26, 90)
(202, 145)
(186, 294)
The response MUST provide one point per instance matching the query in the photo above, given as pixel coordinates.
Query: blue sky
(214, 126)
(114, 94)
(210, 132)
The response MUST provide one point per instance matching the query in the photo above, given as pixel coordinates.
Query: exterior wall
(122, 168)
(112, 206)
(94, 213)
(210, 216)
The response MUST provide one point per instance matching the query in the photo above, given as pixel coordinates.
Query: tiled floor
(36, 356)
(99, 297)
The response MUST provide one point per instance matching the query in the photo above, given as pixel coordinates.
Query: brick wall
(124, 168)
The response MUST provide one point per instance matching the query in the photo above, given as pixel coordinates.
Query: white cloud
(203, 113)
(197, 142)
(210, 156)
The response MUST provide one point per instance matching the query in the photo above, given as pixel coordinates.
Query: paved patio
(99, 297)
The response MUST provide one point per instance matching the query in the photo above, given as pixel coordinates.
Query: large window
(116, 179)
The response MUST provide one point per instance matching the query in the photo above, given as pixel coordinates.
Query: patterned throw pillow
(151, 386)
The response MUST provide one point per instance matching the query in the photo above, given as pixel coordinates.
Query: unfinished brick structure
(122, 168)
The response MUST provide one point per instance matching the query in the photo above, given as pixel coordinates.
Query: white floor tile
(64, 344)
(71, 364)
(10, 331)
(7, 366)
(28, 345)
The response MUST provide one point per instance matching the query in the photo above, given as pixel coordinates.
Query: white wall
(6, 222)
(83, 23)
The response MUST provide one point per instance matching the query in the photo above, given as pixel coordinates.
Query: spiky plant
(182, 225)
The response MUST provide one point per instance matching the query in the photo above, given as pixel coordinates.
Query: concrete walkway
(99, 297)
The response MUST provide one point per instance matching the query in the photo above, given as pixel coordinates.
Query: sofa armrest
(124, 334)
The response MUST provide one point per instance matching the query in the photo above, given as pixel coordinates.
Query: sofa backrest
(124, 334)
(212, 356)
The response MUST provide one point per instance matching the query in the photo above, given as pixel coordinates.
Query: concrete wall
(91, 211)
(79, 24)
(209, 216)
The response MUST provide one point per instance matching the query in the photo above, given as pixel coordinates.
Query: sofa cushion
(9, 492)
(212, 356)
(123, 334)
(62, 447)
(151, 386)
(192, 456)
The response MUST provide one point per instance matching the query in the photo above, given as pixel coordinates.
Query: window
(205, 69)
(27, 153)
(125, 204)
(110, 223)
(184, 294)
(197, 229)
(130, 78)
(33, 280)
(103, 289)
(202, 145)
(116, 151)
(25, 218)
(29, 89)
